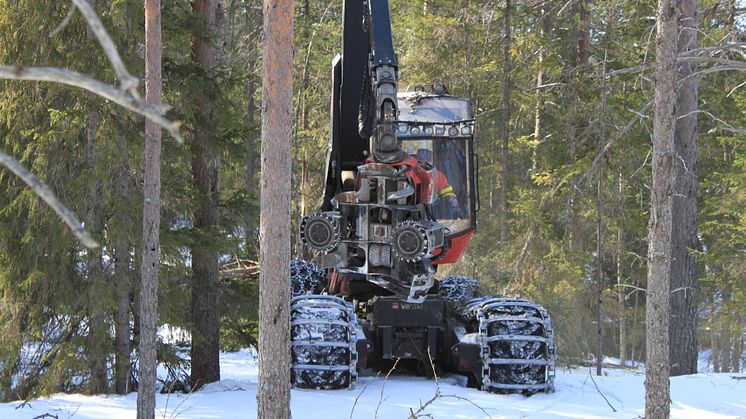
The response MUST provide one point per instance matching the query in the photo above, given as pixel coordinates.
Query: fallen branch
(599, 390)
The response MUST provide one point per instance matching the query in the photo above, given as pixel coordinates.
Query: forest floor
(619, 393)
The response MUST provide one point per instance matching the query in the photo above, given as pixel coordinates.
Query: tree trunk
(620, 277)
(715, 354)
(97, 341)
(251, 50)
(657, 386)
(122, 275)
(274, 256)
(737, 351)
(505, 130)
(599, 275)
(545, 30)
(151, 218)
(205, 174)
(684, 285)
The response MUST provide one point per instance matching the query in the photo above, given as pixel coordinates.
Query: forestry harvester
(400, 200)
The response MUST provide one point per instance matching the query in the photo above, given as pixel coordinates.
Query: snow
(699, 396)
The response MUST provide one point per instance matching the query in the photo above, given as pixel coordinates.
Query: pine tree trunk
(599, 276)
(97, 341)
(737, 353)
(545, 30)
(206, 177)
(123, 278)
(274, 256)
(505, 130)
(251, 138)
(725, 331)
(151, 219)
(684, 284)
(122, 275)
(715, 355)
(620, 277)
(657, 386)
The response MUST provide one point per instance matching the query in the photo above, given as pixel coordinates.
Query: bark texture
(657, 386)
(684, 286)
(206, 178)
(148, 320)
(274, 255)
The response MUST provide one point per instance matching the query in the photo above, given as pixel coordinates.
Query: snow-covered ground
(693, 397)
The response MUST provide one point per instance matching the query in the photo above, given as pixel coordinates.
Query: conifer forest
(567, 98)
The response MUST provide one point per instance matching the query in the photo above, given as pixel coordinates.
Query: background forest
(563, 93)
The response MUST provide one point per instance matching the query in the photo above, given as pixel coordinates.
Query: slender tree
(151, 218)
(96, 345)
(657, 386)
(274, 249)
(505, 128)
(251, 137)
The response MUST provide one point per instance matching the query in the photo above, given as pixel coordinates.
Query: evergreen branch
(153, 112)
(46, 194)
(129, 82)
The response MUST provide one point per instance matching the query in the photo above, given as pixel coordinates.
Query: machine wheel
(517, 341)
(458, 290)
(306, 278)
(323, 342)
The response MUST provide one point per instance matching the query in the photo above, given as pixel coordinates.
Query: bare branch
(638, 115)
(734, 66)
(383, 386)
(43, 192)
(438, 395)
(154, 112)
(735, 88)
(725, 126)
(716, 48)
(129, 82)
(695, 55)
(64, 22)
